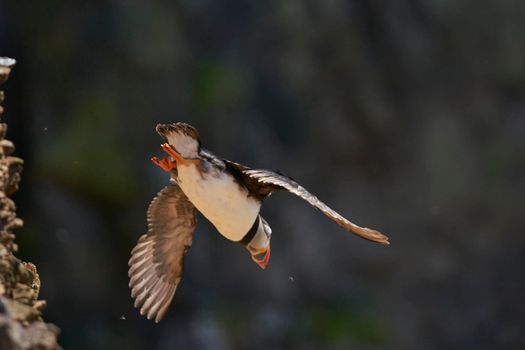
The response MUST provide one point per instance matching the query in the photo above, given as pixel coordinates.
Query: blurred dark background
(406, 116)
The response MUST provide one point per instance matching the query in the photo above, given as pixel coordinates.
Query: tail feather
(184, 137)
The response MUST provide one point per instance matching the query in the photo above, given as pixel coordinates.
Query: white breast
(221, 200)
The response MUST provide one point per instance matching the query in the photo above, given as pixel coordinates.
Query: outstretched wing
(267, 178)
(156, 262)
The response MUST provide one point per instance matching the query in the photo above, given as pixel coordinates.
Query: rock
(21, 324)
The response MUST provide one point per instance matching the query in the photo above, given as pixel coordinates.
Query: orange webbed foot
(166, 163)
(170, 150)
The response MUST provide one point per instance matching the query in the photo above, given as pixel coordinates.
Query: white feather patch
(186, 145)
(220, 199)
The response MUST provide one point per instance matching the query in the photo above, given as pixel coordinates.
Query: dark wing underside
(263, 182)
(156, 262)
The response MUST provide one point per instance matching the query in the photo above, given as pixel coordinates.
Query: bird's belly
(221, 200)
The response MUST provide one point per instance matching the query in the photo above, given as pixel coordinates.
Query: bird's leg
(166, 163)
(170, 150)
(262, 262)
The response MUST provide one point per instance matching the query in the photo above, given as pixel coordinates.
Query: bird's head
(183, 137)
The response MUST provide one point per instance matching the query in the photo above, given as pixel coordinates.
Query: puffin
(226, 193)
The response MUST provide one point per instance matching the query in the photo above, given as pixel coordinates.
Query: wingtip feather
(370, 234)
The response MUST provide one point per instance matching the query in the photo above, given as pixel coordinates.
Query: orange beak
(265, 260)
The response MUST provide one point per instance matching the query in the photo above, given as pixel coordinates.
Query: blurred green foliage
(89, 156)
(341, 324)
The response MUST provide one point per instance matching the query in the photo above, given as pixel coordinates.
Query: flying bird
(228, 194)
